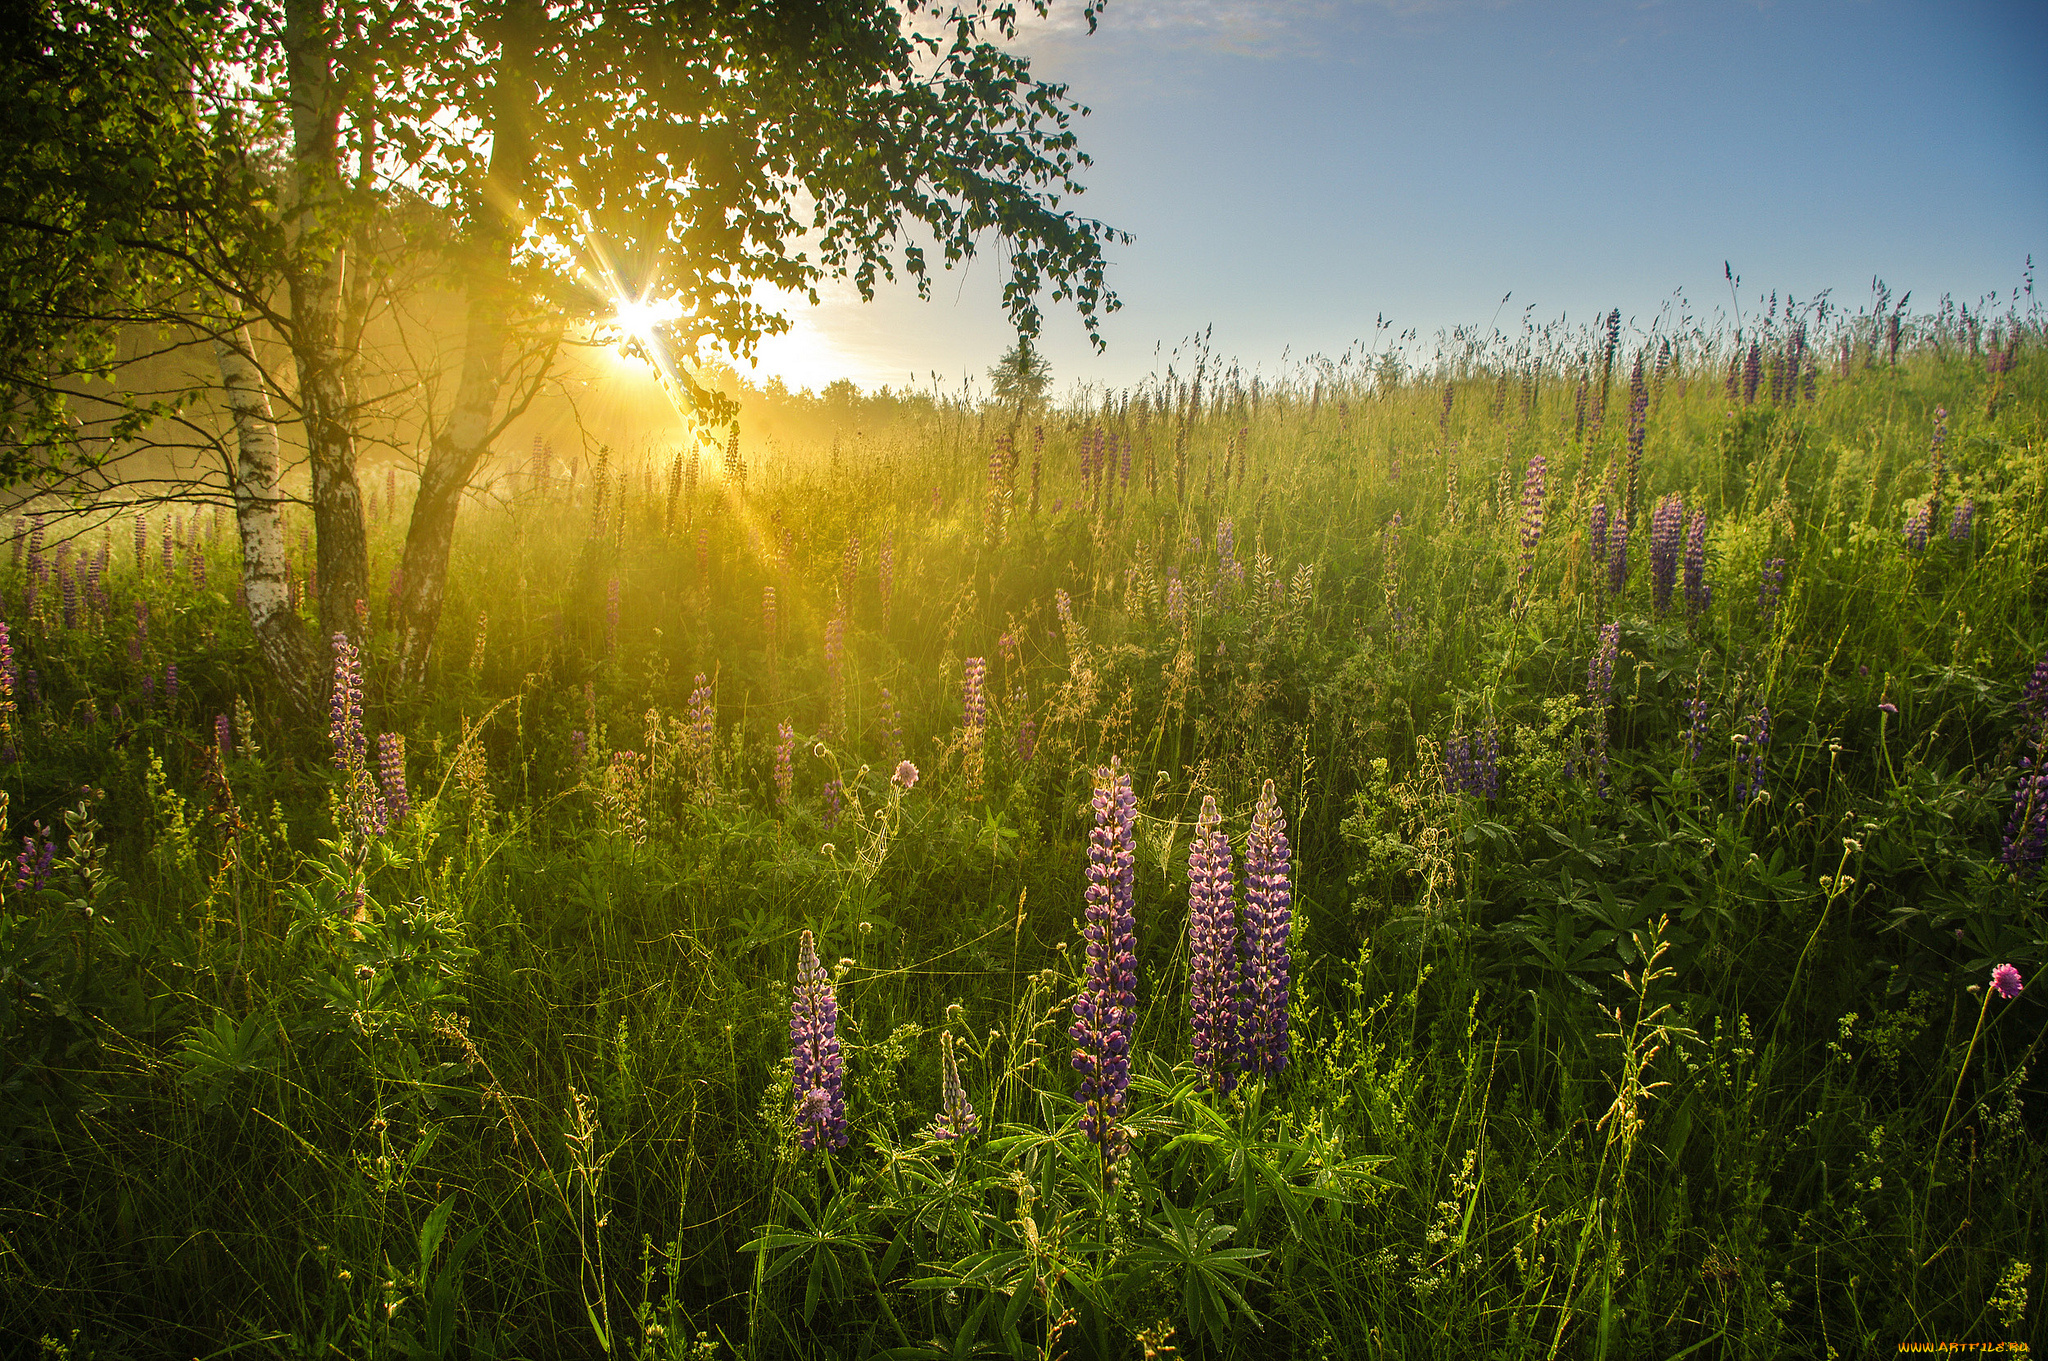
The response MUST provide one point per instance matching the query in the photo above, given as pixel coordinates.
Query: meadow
(1611, 773)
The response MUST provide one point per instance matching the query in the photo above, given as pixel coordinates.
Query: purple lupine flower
(38, 854)
(815, 1064)
(1963, 522)
(1936, 465)
(1532, 511)
(223, 736)
(68, 585)
(1176, 600)
(2034, 702)
(171, 683)
(885, 574)
(197, 558)
(1600, 688)
(1106, 1008)
(1617, 557)
(169, 544)
(1695, 725)
(905, 776)
(1600, 672)
(1027, 739)
(835, 800)
(1229, 571)
(956, 1118)
(1749, 755)
(1268, 918)
(1457, 763)
(1752, 372)
(1667, 523)
(1698, 594)
(6, 684)
(141, 543)
(579, 742)
(363, 806)
(1917, 526)
(785, 768)
(1215, 952)
(391, 776)
(345, 706)
(975, 700)
(2026, 832)
(768, 614)
(1769, 588)
(2005, 981)
(1596, 533)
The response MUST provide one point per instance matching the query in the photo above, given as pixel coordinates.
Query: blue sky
(1290, 169)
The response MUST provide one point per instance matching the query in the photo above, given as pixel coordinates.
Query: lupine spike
(819, 1086)
(1268, 920)
(1106, 1007)
(1215, 952)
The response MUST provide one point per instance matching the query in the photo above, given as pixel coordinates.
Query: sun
(642, 320)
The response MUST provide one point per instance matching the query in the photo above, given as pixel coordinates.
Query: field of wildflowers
(1538, 854)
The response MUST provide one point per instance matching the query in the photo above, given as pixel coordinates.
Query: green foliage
(1686, 1060)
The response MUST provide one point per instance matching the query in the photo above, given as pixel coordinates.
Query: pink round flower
(2005, 981)
(906, 775)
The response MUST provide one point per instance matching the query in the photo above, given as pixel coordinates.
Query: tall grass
(1657, 1040)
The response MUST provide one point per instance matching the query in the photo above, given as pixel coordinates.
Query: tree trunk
(451, 462)
(462, 446)
(288, 653)
(315, 280)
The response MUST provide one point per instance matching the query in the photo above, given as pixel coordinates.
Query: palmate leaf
(819, 1242)
(1187, 1243)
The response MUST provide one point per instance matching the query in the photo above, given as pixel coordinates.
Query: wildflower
(1749, 755)
(814, 1053)
(1964, 521)
(1665, 527)
(1917, 525)
(2026, 832)
(956, 1119)
(390, 774)
(1268, 918)
(1596, 532)
(38, 855)
(1617, 557)
(1215, 951)
(1887, 707)
(1176, 601)
(223, 736)
(364, 808)
(1698, 594)
(1532, 511)
(835, 800)
(2005, 981)
(974, 698)
(1769, 587)
(785, 771)
(1600, 687)
(1106, 1007)
(905, 776)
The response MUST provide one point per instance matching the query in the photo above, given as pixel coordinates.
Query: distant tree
(1021, 376)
